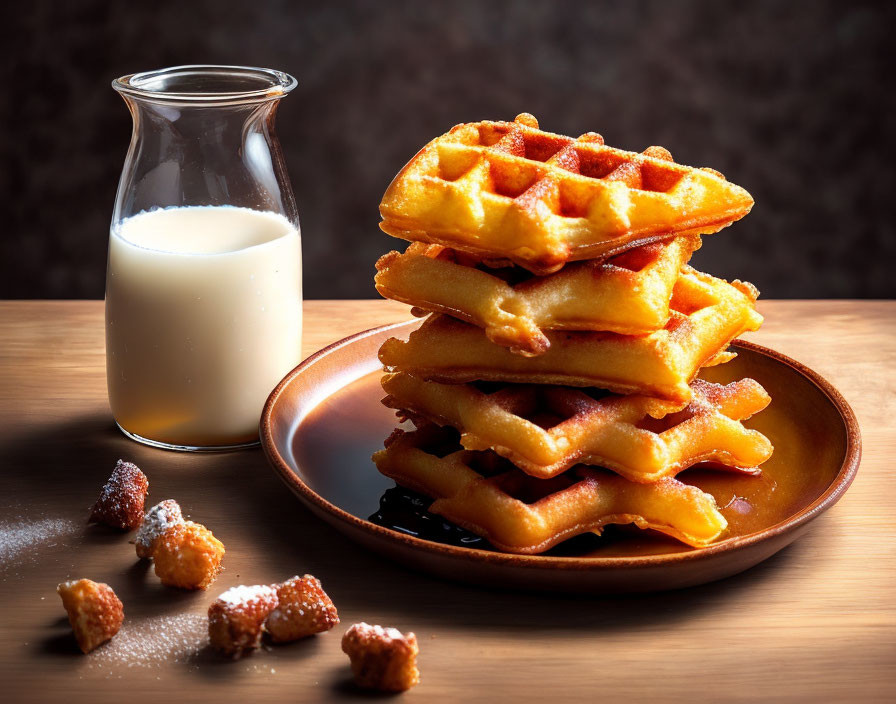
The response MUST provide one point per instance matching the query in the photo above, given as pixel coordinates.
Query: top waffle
(509, 191)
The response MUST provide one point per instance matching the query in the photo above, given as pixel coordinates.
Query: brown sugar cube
(188, 556)
(121, 501)
(93, 610)
(304, 609)
(157, 520)
(382, 658)
(236, 618)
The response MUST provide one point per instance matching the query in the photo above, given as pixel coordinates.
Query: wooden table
(815, 623)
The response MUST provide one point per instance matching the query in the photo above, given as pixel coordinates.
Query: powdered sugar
(19, 536)
(155, 641)
(281, 615)
(366, 630)
(123, 477)
(159, 518)
(236, 596)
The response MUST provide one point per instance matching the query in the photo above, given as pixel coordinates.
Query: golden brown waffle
(545, 430)
(628, 294)
(509, 190)
(487, 495)
(707, 314)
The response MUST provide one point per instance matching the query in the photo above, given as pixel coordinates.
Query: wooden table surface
(817, 622)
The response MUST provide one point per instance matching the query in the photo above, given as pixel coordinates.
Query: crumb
(304, 609)
(236, 618)
(122, 499)
(156, 521)
(94, 611)
(188, 556)
(382, 658)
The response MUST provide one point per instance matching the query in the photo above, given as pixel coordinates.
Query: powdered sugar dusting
(159, 518)
(155, 641)
(366, 630)
(19, 536)
(124, 476)
(236, 596)
(281, 616)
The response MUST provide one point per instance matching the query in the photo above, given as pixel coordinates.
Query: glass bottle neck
(190, 154)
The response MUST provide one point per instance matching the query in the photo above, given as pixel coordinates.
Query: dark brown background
(791, 100)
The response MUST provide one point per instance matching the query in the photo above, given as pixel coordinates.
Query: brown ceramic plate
(324, 420)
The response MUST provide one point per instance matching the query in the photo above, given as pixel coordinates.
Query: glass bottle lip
(206, 85)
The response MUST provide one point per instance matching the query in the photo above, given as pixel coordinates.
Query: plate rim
(842, 481)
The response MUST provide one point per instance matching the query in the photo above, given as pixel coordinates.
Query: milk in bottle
(203, 318)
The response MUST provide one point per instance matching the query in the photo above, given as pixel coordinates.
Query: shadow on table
(212, 665)
(344, 684)
(76, 455)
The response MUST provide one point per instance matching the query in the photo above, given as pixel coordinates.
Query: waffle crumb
(383, 659)
(122, 498)
(303, 610)
(156, 521)
(236, 618)
(94, 611)
(187, 555)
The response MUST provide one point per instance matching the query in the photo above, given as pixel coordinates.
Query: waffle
(707, 314)
(511, 191)
(545, 430)
(487, 495)
(581, 296)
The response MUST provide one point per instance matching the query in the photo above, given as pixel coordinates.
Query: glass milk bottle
(204, 277)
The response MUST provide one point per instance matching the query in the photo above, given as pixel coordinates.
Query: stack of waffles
(553, 384)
